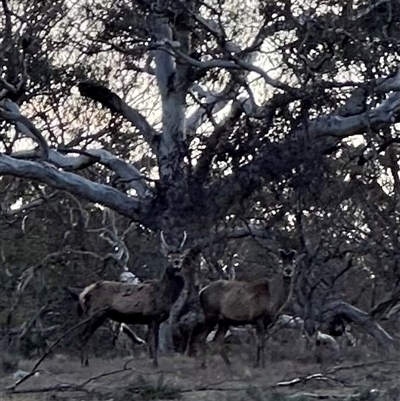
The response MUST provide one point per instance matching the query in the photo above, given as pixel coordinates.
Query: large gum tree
(201, 115)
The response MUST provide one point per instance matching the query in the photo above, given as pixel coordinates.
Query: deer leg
(132, 335)
(204, 332)
(153, 342)
(196, 338)
(219, 340)
(260, 340)
(115, 327)
(190, 348)
(94, 323)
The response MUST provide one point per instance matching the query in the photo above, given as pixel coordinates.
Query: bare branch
(250, 230)
(341, 127)
(127, 173)
(216, 102)
(29, 205)
(225, 64)
(277, 159)
(73, 183)
(121, 252)
(9, 111)
(360, 318)
(367, 10)
(114, 103)
(7, 86)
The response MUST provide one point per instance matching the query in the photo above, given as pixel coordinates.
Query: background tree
(274, 120)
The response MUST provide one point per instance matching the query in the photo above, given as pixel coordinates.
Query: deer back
(241, 301)
(235, 300)
(118, 297)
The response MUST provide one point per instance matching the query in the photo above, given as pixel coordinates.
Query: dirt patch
(359, 374)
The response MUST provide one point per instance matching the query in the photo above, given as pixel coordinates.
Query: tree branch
(216, 102)
(360, 318)
(114, 103)
(279, 158)
(73, 183)
(10, 112)
(127, 174)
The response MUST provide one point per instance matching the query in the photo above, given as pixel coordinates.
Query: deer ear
(282, 253)
(292, 253)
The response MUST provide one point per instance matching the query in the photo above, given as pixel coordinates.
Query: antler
(184, 239)
(163, 241)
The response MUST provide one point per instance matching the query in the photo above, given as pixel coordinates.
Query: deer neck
(281, 292)
(172, 285)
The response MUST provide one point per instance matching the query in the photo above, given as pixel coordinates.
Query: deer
(116, 327)
(148, 303)
(233, 303)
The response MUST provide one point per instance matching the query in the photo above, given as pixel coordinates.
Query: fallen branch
(58, 387)
(325, 376)
(360, 318)
(47, 353)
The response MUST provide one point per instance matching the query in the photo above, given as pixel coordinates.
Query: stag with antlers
(148, 303)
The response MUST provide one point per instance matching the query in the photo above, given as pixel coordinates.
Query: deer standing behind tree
(117, 328)
(232, 303)
(148, 303)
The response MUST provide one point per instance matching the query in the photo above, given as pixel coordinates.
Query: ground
(360, 373)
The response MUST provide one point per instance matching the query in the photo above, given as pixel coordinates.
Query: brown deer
(116, 327)
(148, 303)
(231, 303)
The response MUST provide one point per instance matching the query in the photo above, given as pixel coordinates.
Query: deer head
(174, 254)
(288, 262)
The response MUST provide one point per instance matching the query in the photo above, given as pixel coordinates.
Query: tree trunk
(360, 318)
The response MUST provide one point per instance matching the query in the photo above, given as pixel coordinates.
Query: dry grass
(179, 377)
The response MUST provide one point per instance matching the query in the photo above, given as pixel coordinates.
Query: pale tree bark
(322, 134)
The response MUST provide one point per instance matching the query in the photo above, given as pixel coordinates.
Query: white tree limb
(367, 10)
(360, 318)
(121, 252)
(139, 121)
(9, 111)
(165, 65)
(128, 174)
(80, 186)
(215, 102)
(172, 82)
(228, 65)
(388, 84)
(114, 103)
(341, 127)
(25, 207)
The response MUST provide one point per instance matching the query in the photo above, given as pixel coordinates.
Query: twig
(58, 387)
(325, 376)
(47, 353)
(113, 372)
